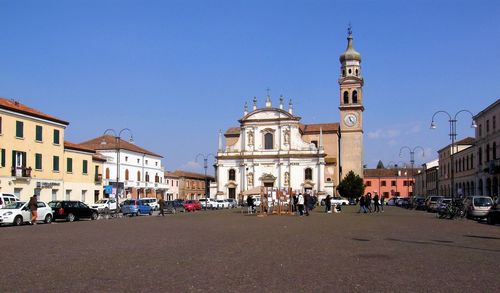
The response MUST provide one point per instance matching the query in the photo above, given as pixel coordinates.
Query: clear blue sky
(176, 72)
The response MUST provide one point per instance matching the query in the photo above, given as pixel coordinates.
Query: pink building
(389, 182)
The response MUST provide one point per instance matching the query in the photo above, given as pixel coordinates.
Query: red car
(192, 205)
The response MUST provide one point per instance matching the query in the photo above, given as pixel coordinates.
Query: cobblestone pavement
(227, 251)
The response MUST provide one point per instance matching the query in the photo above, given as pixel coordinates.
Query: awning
(253, 191)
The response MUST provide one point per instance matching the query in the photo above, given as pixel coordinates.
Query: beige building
(34, 157)
(172, 183)
(445, 167)
(191, 185)
(487, 143)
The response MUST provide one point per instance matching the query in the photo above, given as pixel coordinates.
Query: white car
(18, 213)
(222, 204)
(152, 202)
(6, 199)
(105, 205)
(339, 201)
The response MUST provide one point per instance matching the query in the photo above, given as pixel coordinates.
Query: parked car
(477, 206)
(222, 204)
(6, 199)
(105, 205)
(71, 210)
(190, 205)
(493, 216)
(418, 203)
(431, 203)
(392, 201)
(173, 207)
(209, 203)
(336, 200)
(232, 203)
(136, 207)
(18, 212)
(152, 202)
(352, 201)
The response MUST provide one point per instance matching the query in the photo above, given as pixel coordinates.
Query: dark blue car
(136, 207)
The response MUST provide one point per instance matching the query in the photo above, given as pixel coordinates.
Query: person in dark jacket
(307, 203)
(161, 203)
(33, 205)
(362, 207)
(250, 203)
(376, 203)
(328, 204)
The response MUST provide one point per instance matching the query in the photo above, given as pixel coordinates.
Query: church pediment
(267, 178)
(269, 114)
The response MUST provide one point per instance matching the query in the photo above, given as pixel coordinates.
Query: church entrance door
(269, 184)
(232, 192)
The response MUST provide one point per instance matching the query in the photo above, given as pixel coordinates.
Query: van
(6, 198)
(152, 202)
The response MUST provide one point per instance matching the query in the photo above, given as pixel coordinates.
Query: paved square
(226, 251)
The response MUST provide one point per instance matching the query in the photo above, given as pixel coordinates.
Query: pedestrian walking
(295, 200)
(250, 204)
(300, 204)
(382, 203)
(328, 204)
(161, 203)
(307, 203)
(368, 202)
(33, 206)
(362, 207)
(376, 203)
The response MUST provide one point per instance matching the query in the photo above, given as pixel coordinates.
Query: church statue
(287, 178)
(250, 137)
(250, 179)
(287, 136)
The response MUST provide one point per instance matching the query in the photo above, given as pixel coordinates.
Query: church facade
(272, 148)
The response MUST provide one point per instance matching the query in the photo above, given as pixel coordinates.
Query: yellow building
(34, 158)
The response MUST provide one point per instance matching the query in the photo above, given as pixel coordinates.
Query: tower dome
(350, 53)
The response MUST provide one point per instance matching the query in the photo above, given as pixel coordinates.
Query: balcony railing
(21, 172)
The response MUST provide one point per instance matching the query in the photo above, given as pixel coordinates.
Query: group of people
(302, 204)
(369, 204)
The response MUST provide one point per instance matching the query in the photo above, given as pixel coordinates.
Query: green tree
(351, 186)
(380, 165)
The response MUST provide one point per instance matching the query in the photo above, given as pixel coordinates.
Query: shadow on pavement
(442, 244)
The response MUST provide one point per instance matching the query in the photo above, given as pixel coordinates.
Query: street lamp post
(453, 136)
(117, 144)
(412, 163)
(205, 166)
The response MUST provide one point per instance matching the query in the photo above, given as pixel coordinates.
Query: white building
(141, 173)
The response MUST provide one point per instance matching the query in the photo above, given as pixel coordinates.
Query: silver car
(477, 206)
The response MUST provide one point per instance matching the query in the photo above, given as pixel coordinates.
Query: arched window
(126, 174)
(494, 150)
(268, 141)
(107, 173)
(487, 153)
(147, 177)
(357, 72)
(232, 174)
(138, 175)
(355, 97)
(308, 174)
(346, 97)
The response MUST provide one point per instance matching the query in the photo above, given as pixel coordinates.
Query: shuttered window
(38, 161)
(56, 136)
(38, 133)
(55, 163)
(19, 129)
(85, 167)
(69, 165)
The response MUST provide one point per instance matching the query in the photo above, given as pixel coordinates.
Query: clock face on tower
(350, 119)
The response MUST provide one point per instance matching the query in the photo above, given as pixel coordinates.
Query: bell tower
(351, 110)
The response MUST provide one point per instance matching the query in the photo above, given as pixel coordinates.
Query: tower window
(268, 141)
(343, 72)
(355, 97)
(346, 97)
(350, 71)
(357, 72)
